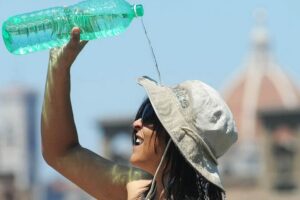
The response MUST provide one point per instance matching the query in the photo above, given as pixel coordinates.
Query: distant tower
(262, 85)
(116, 138)
(18, 145)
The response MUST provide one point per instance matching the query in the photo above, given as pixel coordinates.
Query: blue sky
(195, 39)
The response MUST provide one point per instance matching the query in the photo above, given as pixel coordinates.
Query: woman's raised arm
(61, 149)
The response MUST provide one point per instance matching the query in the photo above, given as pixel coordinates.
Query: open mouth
(138, 140)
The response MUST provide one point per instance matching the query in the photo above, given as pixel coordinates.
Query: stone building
(265, 102)
(116, 131)
(18, 145)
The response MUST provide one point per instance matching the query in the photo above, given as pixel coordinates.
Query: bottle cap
(138, 10)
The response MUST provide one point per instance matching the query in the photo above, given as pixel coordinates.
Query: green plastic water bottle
(51, 27)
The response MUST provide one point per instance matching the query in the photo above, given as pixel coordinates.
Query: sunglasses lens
(148, 116)
(133, 137)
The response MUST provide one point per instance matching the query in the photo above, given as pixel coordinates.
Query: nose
(137, 124)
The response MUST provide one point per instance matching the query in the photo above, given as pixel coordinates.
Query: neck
(159, 176)
(160, 192)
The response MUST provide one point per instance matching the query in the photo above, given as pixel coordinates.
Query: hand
(136, 189)
(65, 56)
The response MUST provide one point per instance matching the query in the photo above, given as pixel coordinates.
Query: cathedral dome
(261, 85)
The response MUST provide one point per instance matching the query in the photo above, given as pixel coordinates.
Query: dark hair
(180, 180)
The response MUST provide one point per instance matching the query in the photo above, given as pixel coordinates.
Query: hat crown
(207, 113)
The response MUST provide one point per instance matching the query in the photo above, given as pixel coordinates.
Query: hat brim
(166, 107)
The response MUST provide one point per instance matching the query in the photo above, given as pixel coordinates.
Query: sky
(192, 39)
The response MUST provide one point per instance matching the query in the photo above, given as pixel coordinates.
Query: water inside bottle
(96, 26)
(33, 32)
(33, 35)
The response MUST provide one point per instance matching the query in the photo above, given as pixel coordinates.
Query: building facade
(265, 102)
(18, 145)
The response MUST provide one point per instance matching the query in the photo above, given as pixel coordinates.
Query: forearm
(58, 128)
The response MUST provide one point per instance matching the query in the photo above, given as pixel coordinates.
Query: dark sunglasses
(148, 117)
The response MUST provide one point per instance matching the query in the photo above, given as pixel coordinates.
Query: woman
(178, 135)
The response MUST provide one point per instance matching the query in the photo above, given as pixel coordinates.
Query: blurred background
(248, 50)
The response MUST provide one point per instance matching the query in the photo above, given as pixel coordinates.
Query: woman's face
(147, 151)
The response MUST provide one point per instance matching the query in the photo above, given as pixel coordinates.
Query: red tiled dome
(261, 85)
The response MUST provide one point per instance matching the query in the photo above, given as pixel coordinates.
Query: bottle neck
(138, 10)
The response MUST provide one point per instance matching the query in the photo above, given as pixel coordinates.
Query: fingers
(66, 55)
(75, 37)
(74, 46)
(135, 189)
(75, 43)
(83, 43)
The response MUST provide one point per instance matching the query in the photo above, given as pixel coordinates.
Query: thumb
(75, 37)
(74, 46)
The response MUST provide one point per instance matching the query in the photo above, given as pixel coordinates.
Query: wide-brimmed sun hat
(198, 121)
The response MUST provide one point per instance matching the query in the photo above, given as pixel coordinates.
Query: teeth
(138, 141)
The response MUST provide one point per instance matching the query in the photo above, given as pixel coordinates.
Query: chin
(134, 160)
(142, 165)
(131, 160)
